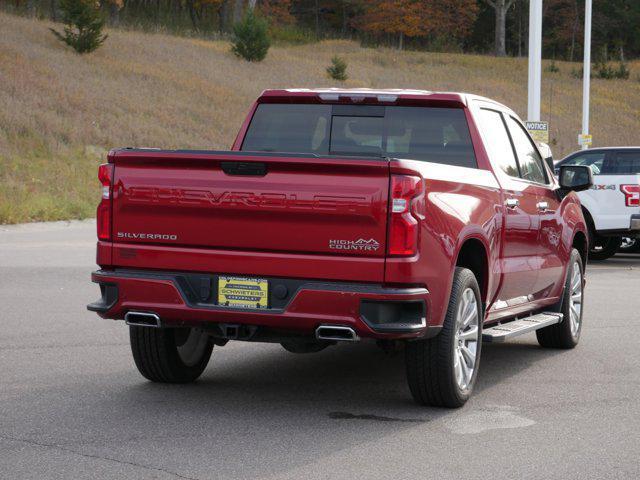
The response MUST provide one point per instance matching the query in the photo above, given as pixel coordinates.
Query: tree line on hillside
(498, 26)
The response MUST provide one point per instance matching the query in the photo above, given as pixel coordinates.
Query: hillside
(60, 112)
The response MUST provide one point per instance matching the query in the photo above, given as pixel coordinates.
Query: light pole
(535, 60)
(585, 139)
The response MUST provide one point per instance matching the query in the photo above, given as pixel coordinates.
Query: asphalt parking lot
(72, 404)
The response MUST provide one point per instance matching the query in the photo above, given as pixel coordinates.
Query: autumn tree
(416, 18)
(277, 11)
(562, 27)
(394, 17)
(453, 18)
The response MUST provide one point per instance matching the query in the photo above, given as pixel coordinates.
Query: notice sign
(539, 131)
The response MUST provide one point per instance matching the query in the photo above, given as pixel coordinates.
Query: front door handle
(513, 203)
(543, 206)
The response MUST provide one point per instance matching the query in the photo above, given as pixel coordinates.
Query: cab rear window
(430, 134)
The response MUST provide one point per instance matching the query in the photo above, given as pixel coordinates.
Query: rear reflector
(103, 214)
(407, 194)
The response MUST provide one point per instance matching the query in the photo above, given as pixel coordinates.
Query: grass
(60, 112)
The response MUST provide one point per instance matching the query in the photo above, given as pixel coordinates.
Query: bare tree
(501, 8)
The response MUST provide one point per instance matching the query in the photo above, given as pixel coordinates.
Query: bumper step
(503, 332)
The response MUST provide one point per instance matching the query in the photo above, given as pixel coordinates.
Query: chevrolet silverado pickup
(611, 206)
(420, 220)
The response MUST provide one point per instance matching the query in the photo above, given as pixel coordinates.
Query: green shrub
(83, 25)
(607, 72)
(622, 71)
(250, 38)
(602, 70)
(338, 69)
(552, 67)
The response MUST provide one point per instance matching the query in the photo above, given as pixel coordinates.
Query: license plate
(242, 292)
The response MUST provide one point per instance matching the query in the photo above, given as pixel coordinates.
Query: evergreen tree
(338, 69)
(250, 38)
(83, 25)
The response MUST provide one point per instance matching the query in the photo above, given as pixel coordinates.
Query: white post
(535, 60)
(586, 72)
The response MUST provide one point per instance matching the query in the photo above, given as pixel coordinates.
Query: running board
(505, 331)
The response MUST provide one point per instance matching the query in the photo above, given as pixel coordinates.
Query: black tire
(430, 363)
(603, 248)
(158, 353)
(561, 334)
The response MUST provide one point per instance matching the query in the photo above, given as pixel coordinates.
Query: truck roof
(370, 95)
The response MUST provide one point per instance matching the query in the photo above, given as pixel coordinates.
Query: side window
(497, 142)
(623, 163)
(531, 167)
(593, 160)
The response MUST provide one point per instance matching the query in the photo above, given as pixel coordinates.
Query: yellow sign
(585, 139)
(539, 131)
(243, 292)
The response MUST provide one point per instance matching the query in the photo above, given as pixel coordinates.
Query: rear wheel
(602, 248)
(566, 334)
(629, 245)
(442, 371)
(170, 355)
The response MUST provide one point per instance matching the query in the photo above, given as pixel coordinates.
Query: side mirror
(575, 178)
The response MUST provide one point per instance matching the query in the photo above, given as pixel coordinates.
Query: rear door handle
(543, 206)
(513, 202)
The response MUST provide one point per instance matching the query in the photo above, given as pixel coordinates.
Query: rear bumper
(184, 299)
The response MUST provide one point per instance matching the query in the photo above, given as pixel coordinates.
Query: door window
(531, 167)
(497, 142)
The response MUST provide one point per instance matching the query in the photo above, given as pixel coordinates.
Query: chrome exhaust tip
(336, 333)
(142, 319)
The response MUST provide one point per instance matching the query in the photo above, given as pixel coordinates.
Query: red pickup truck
(421, 219)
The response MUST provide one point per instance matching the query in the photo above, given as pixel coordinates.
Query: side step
(505, 331)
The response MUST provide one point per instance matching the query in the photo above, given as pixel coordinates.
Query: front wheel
(170, 355)
(442, 371)
(566, 334)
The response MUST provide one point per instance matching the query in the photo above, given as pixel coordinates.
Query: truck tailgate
(251, 203)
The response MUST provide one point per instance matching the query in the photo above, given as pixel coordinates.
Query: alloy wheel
(466, 339)
(575, 301)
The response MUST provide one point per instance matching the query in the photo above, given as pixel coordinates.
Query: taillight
(103, 215)
(631, 195)
(407, 205)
